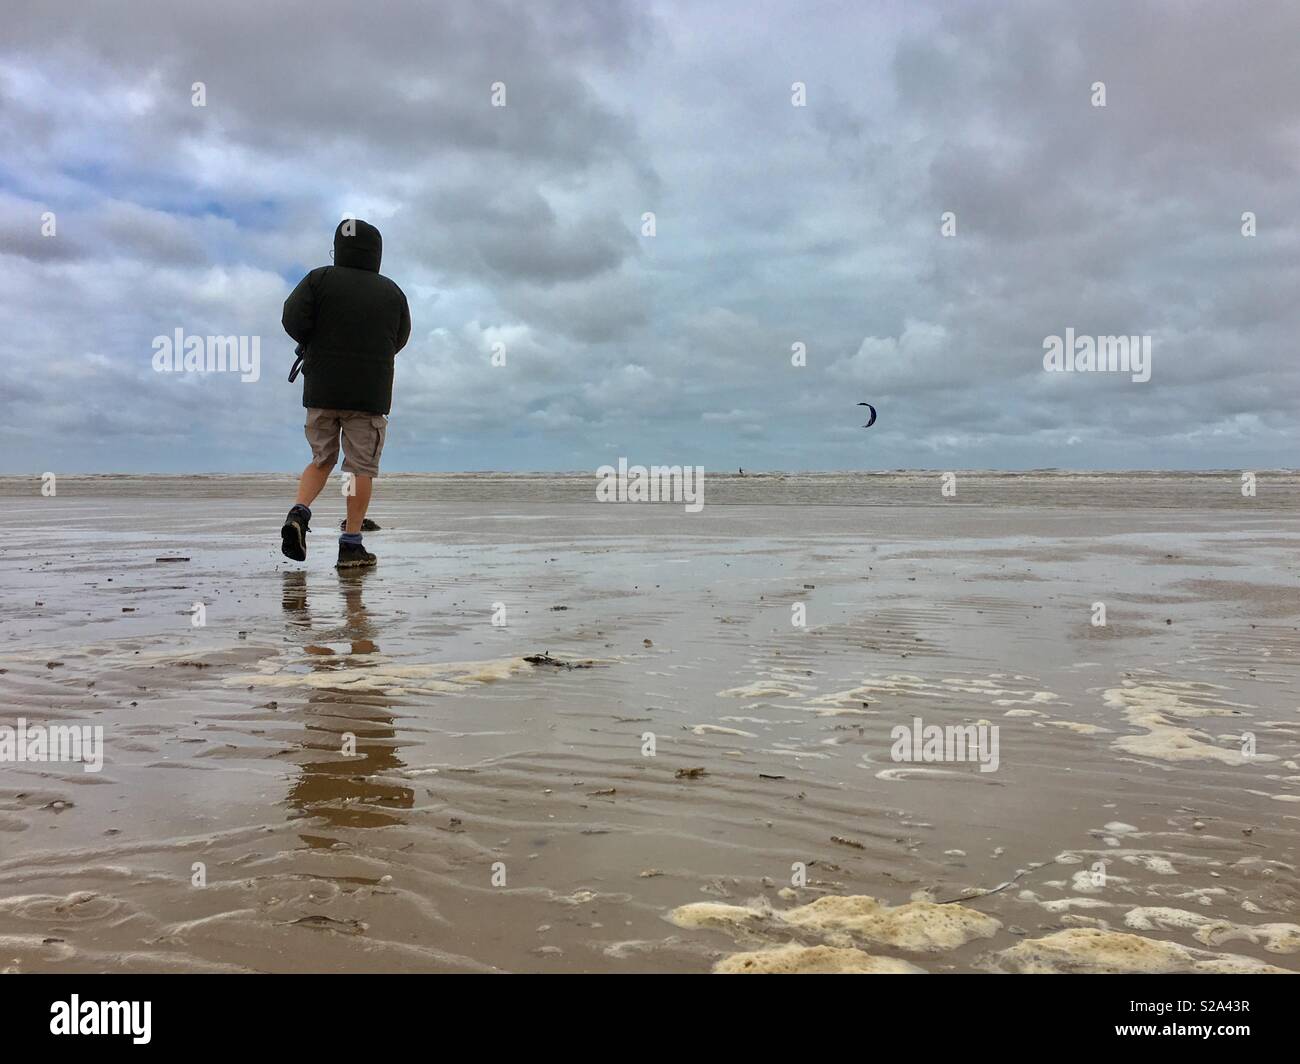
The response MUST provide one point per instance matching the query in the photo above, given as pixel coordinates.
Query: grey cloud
(775, 225)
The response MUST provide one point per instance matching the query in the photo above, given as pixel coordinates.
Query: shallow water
(501, 814)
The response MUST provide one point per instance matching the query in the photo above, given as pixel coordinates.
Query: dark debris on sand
(546, 659)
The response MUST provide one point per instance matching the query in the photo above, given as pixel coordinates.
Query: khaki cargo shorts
(363, 439)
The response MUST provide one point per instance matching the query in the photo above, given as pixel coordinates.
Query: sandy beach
(684, 779)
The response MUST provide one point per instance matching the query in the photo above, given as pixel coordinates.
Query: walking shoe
(293, 534)
(354, 556)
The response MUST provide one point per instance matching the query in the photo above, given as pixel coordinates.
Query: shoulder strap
(301, 349)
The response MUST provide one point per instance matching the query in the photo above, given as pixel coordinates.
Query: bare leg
(311, 483)
(359, 503)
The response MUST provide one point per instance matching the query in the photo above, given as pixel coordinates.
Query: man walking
(350, 321)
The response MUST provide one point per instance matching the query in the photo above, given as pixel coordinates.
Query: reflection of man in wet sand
(346, 788)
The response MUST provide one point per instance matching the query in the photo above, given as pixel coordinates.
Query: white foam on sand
(1276, 938)
(1161, 862)
(1152, 862)
(843, 921)
(893, 775)
(1076, 726)
(1093, 950)
(1064, 905)
(1036, 697)
(1085, 881)
(766, 689)
(1150, 707)
(715, 729)
(906, 685)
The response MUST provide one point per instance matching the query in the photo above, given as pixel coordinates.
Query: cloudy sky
(775, 225)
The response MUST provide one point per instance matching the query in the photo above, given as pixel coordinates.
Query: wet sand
(502, 815)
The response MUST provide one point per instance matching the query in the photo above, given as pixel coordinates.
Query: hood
(362, 250)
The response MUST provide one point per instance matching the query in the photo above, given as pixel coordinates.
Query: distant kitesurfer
(350, 321)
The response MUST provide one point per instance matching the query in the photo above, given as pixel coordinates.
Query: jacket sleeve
(299, 317)
(404, 325)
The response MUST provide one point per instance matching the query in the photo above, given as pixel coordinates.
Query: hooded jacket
(351, 321)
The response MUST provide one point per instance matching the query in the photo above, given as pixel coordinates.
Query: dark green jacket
(351, 320)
